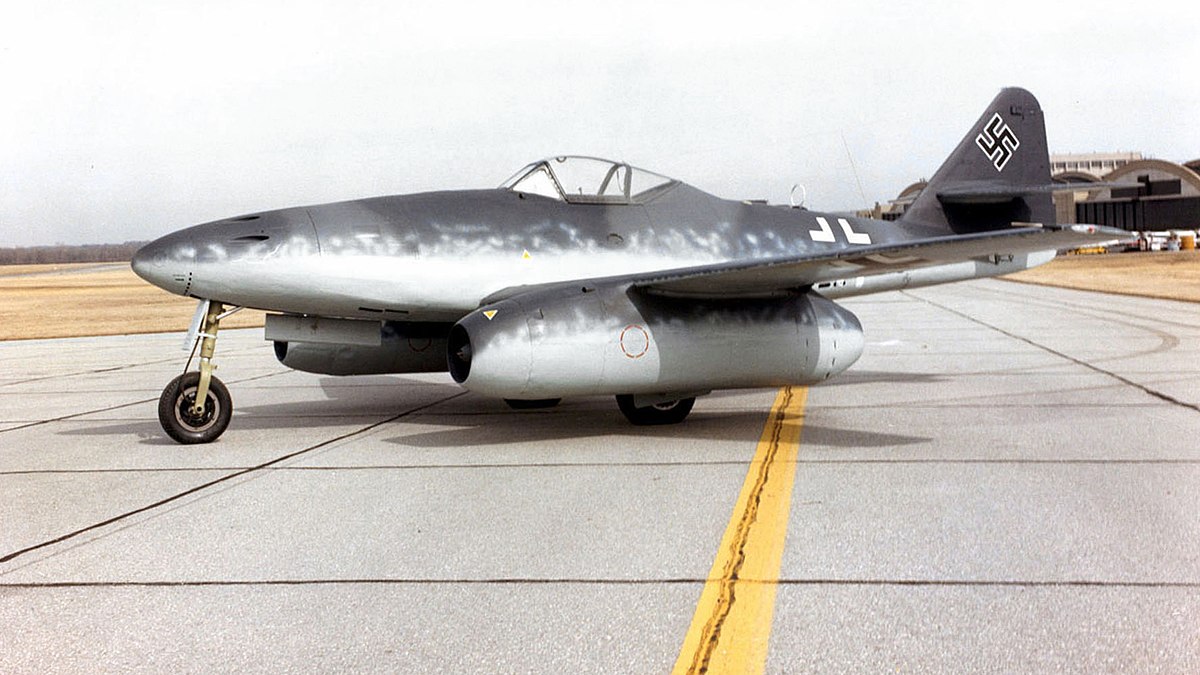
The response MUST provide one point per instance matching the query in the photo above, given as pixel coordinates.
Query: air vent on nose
(244, 219)
(252, 237)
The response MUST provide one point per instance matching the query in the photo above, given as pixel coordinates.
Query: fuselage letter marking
(852, 236)
(823, 234)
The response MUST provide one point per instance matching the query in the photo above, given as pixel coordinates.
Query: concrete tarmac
(1008, 481)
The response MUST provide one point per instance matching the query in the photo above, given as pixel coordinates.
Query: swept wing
(772, 276)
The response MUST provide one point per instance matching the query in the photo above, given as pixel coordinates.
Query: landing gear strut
(196, 407)
(664, 412)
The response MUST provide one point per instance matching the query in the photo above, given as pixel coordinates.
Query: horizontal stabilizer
(998, 193)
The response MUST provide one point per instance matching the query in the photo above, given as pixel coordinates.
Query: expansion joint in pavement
(237, 474)
(123, 405)
(1090, 366)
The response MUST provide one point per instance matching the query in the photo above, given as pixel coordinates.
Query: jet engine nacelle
(402, 348)
(586, 341)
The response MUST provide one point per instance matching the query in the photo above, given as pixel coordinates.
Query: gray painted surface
(999, 486)
(436, 256)
(545, 278)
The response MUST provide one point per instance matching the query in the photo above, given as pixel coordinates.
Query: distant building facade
(1095, 163)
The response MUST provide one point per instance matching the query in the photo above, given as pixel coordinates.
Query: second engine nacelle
(584, 341)
(403, 348)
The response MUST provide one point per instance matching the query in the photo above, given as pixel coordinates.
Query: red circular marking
(635, 341)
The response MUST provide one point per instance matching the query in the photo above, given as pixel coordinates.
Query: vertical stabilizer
(998, 175)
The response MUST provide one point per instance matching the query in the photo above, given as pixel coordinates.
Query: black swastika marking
(997, 142)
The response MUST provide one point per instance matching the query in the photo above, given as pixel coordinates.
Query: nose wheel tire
(175, 410)
(669, 412)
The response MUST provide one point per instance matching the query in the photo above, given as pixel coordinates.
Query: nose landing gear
(195, 407)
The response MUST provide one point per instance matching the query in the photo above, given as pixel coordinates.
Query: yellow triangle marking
(490, 314)
(525, 255)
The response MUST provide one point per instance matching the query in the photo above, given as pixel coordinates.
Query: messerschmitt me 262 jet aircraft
(581, 277)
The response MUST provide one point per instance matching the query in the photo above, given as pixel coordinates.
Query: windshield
(588, 180)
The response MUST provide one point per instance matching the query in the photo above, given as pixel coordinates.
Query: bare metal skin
(583, 277)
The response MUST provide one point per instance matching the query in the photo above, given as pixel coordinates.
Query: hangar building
(1154, 194)
(1160, 195)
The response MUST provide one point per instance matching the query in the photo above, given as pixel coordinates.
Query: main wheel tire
(175, 410)
(532, 404)
(670, 412)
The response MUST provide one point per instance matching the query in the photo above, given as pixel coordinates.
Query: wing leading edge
(777, 275)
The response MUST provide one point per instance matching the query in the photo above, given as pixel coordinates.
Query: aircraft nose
(167, 263)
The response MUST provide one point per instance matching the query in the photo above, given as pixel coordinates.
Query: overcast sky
(126, 120)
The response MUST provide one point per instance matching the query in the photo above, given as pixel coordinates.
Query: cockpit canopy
(588, 180)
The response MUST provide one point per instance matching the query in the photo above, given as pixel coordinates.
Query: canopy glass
(588, 180)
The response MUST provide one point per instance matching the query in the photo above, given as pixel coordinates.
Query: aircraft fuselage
(435, 256)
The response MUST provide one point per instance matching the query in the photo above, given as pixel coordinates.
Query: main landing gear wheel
(176, 410)
(668, 412)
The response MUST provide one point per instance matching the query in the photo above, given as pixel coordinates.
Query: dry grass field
(48, 301)
(1168, 275)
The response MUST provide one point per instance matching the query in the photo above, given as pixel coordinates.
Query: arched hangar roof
(1180, 171)
(912, 190)
(1076, 177)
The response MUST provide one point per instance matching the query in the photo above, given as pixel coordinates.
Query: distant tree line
(34, 255)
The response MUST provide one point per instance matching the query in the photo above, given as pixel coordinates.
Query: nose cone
(167, 263)
(237, 260)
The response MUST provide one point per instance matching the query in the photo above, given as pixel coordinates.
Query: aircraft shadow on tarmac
(882, 377)
(507, 427)
(479, 422)
(483, 422)
(496, 430)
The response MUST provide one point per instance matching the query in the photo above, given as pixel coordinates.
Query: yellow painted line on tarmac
(732, 624)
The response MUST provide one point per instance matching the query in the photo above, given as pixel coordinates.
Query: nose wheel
(195, 407)
(187, 422)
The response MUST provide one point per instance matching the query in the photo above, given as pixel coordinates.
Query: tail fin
(998, 175)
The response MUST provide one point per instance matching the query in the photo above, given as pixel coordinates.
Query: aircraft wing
(764, 277)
